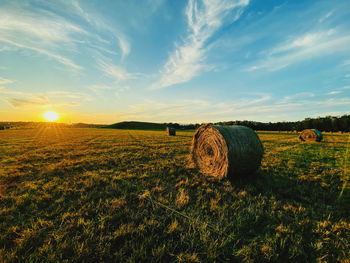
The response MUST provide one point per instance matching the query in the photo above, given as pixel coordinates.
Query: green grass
(90, 195)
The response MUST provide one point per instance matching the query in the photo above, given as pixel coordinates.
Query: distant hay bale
(170, 131)
(223, 151)
(310, 135)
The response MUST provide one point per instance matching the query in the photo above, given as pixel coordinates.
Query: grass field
(90, 195)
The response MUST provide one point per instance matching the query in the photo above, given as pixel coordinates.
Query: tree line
(327, 124)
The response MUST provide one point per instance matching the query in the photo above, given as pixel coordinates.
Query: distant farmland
(90, 195)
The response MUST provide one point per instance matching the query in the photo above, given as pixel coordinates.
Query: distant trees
(183, 126)
(328, 124)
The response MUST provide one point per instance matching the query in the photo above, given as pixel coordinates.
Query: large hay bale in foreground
(311, 135)
(170, 131)
(222, 151)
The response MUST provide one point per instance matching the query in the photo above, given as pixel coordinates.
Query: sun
(51, 116)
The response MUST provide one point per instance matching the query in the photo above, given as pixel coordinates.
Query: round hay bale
(223, 151)
(310, 135)
(170, 131)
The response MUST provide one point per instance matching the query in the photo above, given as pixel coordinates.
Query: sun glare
(51, 116)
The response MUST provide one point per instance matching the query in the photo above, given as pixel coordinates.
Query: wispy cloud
(57, 34)
(60, 94)
(204, 18)
(326, 16)
(299, 96)
(97, 21)
(41, 32)
(100, 87)
(115, 72)
(124, 46)
(41, 26)
(20, 103)
(5, 81)
(305, 41)
(61, 59)
(302, 48)
(106, 90)
(335, 92)
(262, 107)
(20, 99)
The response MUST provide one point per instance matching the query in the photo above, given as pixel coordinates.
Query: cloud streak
(61, 59)
(96, 21)
(303, 47)
(19, 99)
(262, 107)
(5, 81)
(115, 72)
(204, 18)
(56, 36)
(21, 103)
(41, 32)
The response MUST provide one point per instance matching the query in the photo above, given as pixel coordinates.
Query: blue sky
(174, 61)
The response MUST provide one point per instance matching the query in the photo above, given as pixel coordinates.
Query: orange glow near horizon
(51, 116)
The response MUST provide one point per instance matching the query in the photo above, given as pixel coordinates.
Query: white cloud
(304, 41)
(302, 48)
(203, 19)
(49, 34)
(98, 21)
(69, 95)
(43, 27)
(326, 16)
(258, 107)
(299, 96)
(113, 71)
(20, 103)
(41, 32)
(20, 99)
(5, 91)
(100, 87)
(335, 92)
(124, 46)
(5, 81)
(100, 90)
(61, 59)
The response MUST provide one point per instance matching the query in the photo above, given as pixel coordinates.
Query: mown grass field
(92, 195)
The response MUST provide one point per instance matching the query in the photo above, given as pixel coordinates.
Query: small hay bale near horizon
(170, 131)
(226, 151)
(311, 135)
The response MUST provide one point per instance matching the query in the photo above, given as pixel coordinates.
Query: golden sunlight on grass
(51, 116)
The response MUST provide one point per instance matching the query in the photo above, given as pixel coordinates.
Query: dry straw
(222, 151)
(311, 135)
(170, 131)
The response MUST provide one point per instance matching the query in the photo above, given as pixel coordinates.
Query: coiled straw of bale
(311, 135)
(222, 151)
(170, 131)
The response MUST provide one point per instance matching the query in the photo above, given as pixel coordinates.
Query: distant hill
(86, 125)
(137, 125)
(38, 125)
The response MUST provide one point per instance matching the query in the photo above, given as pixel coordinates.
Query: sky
(184, 61)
